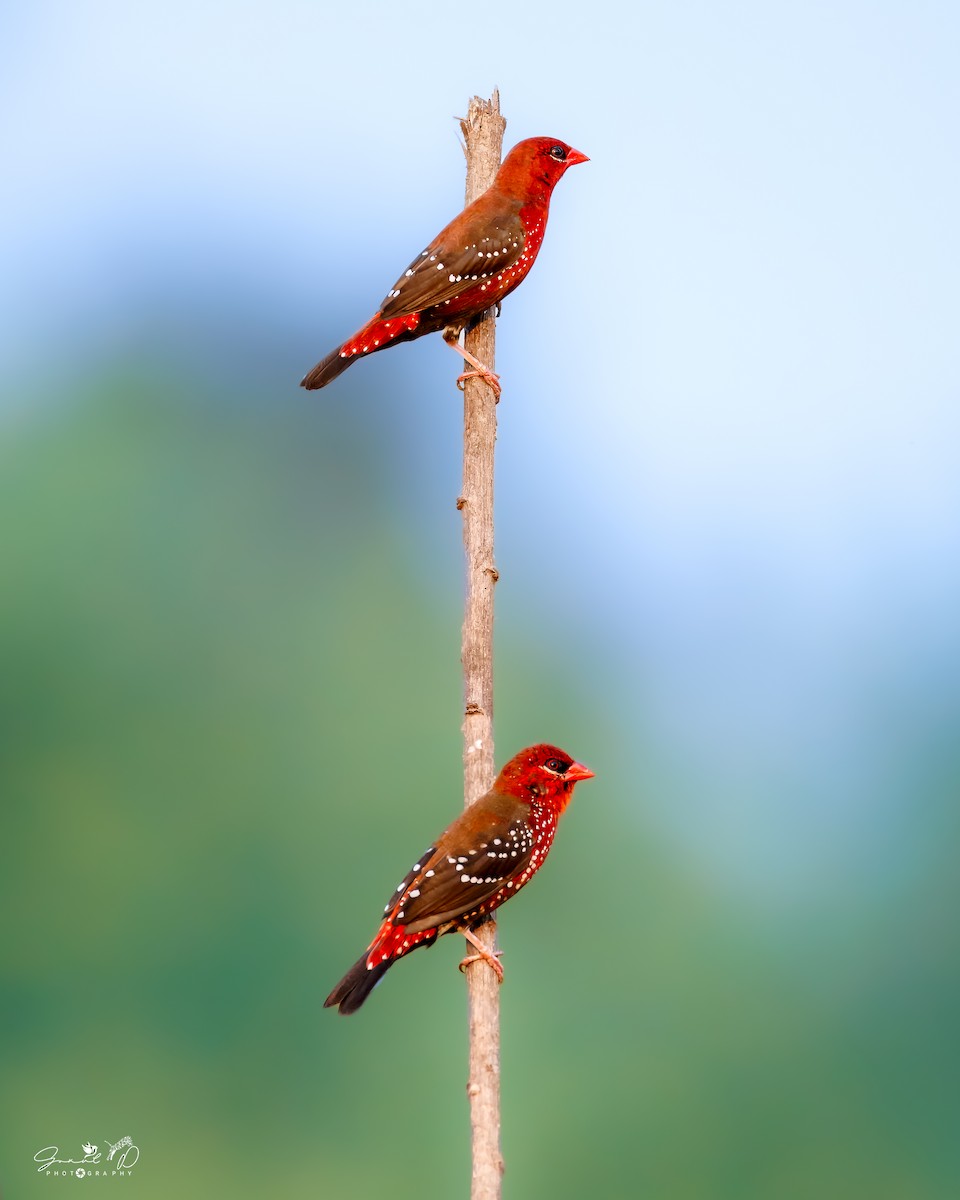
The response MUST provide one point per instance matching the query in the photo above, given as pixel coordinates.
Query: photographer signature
(47, 1157)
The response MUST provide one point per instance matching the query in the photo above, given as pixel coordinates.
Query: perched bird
(486, 856)
(470, 266)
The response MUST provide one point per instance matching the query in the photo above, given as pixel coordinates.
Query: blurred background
(729, 540)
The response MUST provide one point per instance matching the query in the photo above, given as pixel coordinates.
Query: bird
(492, 850)
(469, 267)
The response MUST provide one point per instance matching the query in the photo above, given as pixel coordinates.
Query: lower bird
(469, 267)
(483, 858)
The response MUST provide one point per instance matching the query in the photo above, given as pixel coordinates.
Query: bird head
(542, 771)
(536, 165)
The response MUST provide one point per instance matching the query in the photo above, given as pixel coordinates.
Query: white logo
(122, 1156)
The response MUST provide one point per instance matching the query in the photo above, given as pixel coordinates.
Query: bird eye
(557, 766)
(557, 152)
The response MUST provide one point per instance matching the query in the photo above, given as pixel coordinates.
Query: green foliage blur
(229, 703)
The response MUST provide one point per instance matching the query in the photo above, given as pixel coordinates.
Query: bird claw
(491, 958)
(492, 380)
(480, 371)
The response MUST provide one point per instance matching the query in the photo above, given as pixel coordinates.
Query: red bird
(486, 856)
(470, 266)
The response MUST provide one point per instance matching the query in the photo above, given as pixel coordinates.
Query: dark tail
(326, 370)
(356, 985)
(376, 335)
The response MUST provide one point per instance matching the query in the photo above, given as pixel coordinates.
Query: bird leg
(482, 955)
(452, 338)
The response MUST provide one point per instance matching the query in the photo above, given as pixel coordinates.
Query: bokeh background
(729, 538)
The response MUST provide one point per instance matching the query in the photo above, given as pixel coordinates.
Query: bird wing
(457, 257)
(486, 846)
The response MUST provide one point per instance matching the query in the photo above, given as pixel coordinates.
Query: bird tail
(357, 985)
(376, 335)
(326, 370)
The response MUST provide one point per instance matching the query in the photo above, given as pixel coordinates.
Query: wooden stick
(483, 136)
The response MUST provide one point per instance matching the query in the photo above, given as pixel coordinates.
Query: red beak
(577, 771)
(575, 157)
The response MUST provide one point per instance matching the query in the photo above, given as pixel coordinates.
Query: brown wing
(488, 844)
(467, 251)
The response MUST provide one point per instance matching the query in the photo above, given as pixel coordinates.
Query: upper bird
(482, 859)
(479, 258)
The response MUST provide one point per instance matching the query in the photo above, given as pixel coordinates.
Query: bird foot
(490, 957)
(479, 370)
(487, 376)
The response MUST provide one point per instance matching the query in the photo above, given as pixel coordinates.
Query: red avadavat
(470, 266)
(486, 856)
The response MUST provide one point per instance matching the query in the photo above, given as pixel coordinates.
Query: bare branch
(483, 135)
